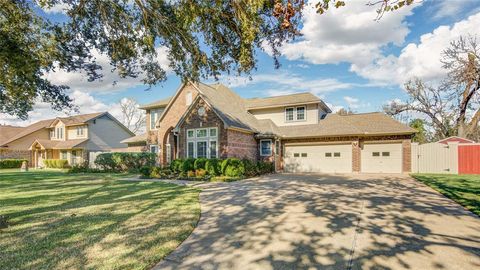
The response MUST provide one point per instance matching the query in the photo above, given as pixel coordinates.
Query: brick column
(407, 156)
(356, 156)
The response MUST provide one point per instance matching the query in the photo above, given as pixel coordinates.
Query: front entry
(318, 158)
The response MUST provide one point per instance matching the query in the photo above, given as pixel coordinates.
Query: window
(295, 114)
(304, 154)
(63, 154)
(265, 147)
(277, 148)
(201, 149)
(300, 113)
(328, 154)
(385, 154)
(79, 131)
(169, 152)
(375, 154)
(191, 149)
(59, 132)
(296, 154)
(336, 154)
(289, 114)
(154, 148)
(202, 143)
(188, 98)
(154, 115)
(52, 133)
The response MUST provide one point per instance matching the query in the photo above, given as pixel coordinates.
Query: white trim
(195, 140)
(261, 152)
(295, 114)
(154, 146)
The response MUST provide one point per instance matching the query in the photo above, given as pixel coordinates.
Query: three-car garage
(373, 157)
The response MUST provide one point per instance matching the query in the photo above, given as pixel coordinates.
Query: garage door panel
(319, 158)
(381, 158)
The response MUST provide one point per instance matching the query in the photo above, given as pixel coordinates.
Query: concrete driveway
(329, 222)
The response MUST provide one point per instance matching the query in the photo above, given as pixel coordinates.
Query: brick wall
(15, 154)
(356, 156)
(407, 156)
(241, 145)
(208, 120)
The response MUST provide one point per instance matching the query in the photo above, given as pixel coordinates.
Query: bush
(200, 163)
(146, 171)
(55, 163)
(224, 165)
(176, 165)
(11, 163)
(82, 168)
(213, 167)
(120, 161)
(251, 168)
(265, 167)
(234, 168)
(200, 173)
(188, 165)
(190, 174)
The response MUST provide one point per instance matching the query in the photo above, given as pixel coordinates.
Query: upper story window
(80, 131)
(59, 133)
(52, 133)
(154, 115)
(189, 98)
(295, 114)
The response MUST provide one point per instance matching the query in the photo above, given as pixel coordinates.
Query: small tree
(422, 134)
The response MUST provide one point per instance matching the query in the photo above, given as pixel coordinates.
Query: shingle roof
(134, 139)
(159, 103)
(285, 100)
(348, 125)
(29, 129)
(68, 144)
(7, 132)
(79, 119)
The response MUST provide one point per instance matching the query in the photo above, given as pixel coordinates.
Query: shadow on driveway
(286, 221)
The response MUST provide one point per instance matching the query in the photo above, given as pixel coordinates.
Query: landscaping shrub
(265, 167)
(188, 165)
(106, 162)
(146, 171)
(120, 161)
(200, 163)
(190, 174)
(251, 168)
(234, 168)
(201, 173)
(176, 165)
(82, 168)
(213, 167)
(156, 172)
(224, 165)
(11, 163)
(55, 163)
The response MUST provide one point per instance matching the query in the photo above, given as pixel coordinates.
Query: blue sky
(344, 57)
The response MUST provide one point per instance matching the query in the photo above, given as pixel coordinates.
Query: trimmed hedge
(176, 165)
(123, 162)
(188, 165)
(200, 163)
(233, 167)
(11, 163)
(213, 167)
(55, 163)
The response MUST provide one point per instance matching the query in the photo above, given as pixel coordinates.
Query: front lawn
(464, 189)
(91, 221)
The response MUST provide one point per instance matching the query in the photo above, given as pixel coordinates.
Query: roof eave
(283, 105)
(348, 135)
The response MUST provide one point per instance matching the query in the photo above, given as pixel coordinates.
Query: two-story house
(71, 138)
(298, 132)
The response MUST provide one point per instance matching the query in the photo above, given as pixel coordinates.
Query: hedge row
(122, 162)
(55, 163)
(11, 163)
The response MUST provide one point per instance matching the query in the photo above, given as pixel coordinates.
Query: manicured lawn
(91, 221)
(464, 189)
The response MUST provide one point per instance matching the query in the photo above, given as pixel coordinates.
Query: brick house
(298, 132)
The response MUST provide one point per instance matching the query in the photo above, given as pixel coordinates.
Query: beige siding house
(71, 138)
(298, 132)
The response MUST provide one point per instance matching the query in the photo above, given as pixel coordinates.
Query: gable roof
(348, 125)
(156, 104)
(28, 130)
(455, 139)
(77, 119)
(284, 100)
(137, 138)
(49, 144)
(7, 131)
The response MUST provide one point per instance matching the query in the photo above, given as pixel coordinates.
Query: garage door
(381, 158)
(318, 158)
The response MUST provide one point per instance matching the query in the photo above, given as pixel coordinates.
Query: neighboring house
(71, 138)
(298, 132)
(455, 139)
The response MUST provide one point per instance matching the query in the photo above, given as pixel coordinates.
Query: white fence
(435, 158)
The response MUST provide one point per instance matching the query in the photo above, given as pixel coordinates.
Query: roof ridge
(286, 95)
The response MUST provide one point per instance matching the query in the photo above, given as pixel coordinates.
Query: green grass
(464, 189)
(91, 221)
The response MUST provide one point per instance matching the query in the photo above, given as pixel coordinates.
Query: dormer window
(80, 131)
(295, 114)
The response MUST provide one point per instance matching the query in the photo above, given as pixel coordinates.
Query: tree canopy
(204, 38)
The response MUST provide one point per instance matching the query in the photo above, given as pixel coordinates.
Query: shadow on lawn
(325, 222)
(86, 223)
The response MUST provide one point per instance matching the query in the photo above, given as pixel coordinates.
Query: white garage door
(318, 158)
(381, 158)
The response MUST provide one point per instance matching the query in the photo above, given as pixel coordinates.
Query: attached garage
(381, 158)
(327, 158)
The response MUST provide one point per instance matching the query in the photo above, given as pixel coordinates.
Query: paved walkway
(329, 222)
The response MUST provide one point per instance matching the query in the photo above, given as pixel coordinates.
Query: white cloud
(283, 83)
(421, 60)
(352, 102)
(448, 8)
(110, 82)
(58, 8)
(347, 34)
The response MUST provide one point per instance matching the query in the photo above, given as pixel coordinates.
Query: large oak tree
(204, 39)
